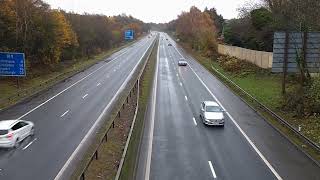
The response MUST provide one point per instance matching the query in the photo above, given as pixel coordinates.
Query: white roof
(211, 103)
(6, 124)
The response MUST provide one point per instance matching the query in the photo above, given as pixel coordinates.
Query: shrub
(230, 64)
(303, 101)
(314, 94)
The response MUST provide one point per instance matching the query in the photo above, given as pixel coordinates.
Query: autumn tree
(49, 37)
(198, 29)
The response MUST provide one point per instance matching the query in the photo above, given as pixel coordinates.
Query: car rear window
(3, 132)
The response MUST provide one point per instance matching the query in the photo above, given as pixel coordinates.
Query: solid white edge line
(70, 86)
(180, 84)
(64, 113)
(212, 170)
(194, 121)
(84, 96)
(186, 98)
(153, 110)
(237, 125)
(66, 164)
(98, 84)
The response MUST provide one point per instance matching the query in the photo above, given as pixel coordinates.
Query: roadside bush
(303, 101)
(314, 94)
(230, 64)
(293, 101)
(239, 67)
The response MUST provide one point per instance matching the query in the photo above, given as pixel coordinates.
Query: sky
(157, 11)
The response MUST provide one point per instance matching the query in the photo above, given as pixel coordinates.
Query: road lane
(56, 138)
(173, 132)
(286, 159)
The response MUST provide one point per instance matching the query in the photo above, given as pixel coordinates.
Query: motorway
(176, 145)
(65, 113)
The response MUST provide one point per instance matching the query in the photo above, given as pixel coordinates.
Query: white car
(211, 113)
(12, 132)
(182, 62)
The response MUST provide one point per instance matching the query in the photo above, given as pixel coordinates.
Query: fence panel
(259, 58)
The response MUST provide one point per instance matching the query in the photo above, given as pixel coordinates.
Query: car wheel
(32, 131)
(16, 143)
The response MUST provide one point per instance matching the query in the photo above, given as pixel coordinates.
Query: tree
(261, 18)
(197, 28)
(7, 25)
(49, 36)
(217, 19)
(254, 30)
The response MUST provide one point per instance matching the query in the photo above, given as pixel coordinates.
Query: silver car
(12, 132)
(211, 113)
(182, 62)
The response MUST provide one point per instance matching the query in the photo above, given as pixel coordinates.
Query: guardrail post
(122, 108)
(82, 177)
(119, 114)
(130, 93)
(127, 99)
(113, 124)
(96, 154)
(106, 136)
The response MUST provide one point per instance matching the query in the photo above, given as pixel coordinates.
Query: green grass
(266, 88)
(128, 170)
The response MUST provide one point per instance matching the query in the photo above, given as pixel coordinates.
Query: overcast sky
(158, 11)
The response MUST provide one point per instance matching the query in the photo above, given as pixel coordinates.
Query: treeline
(198, 29)
(257, 23)
(48, 36)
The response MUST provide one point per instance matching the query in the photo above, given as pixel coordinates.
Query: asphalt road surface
(64, 114)
(177, 145)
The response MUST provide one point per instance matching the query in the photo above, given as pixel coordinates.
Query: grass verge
(266, 88)
(10, 94)
(128, 170)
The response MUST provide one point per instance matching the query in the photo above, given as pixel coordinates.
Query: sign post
(128, 34)
(12, 64)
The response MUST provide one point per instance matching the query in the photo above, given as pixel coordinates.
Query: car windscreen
(3, 132)
(213, 109)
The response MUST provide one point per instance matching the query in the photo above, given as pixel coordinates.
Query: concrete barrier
(259, 58)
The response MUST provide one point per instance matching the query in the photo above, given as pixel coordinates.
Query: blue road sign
(12, 64)
(128, 34)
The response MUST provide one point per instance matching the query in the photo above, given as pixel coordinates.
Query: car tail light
(10, 135)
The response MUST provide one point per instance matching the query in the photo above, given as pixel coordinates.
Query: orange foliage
(197, 28)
